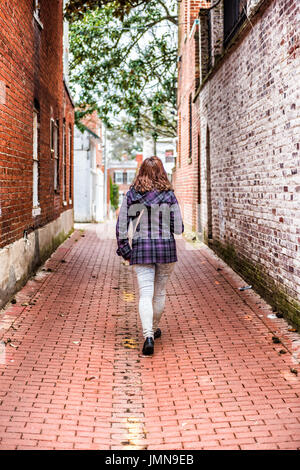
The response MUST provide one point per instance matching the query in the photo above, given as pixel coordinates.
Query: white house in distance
(165, 150)
(89, 172)
(122, 173)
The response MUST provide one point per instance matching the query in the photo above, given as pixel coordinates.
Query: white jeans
(152, 281)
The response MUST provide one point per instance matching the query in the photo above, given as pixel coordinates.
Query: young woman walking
(151, 207)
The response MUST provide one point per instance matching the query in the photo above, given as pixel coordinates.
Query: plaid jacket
(153, 240)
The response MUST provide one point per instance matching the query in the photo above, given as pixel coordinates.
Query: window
(190, 128)
(64, 163)
(169, 156)
(130, 176)
(197, 57)
(234, 16)
(70, 162)
(54, 145)
(118, 177)
(209, 51)
(35, 187)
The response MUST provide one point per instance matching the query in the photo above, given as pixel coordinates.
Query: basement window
(234, 16)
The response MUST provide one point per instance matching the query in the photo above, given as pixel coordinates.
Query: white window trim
(35, 171)
(55, 152)
(119, 173)
(64, 165)
(70, 148)
(130, 176)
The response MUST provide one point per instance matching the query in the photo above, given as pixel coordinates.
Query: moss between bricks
(261, 281)
(55, 242)
(39, 259)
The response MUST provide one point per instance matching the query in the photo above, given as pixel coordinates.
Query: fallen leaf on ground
(130, 344)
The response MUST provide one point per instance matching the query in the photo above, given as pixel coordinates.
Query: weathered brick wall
(31, 72)
(185, 177)
(249, 104)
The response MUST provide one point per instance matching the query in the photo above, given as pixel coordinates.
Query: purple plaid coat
(153, 240)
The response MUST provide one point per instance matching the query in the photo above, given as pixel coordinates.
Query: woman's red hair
(151, 175)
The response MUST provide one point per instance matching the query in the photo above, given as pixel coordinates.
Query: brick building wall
(247, 165)
(32, 93)
(188, 113)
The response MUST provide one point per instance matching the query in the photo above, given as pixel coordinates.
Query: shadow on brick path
(72, 376)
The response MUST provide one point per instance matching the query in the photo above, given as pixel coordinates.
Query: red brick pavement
(72, 376)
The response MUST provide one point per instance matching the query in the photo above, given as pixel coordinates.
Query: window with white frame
(54, 144)
(130, 176)
(70, 147)
(35, 187)
(119, 177)
(64, 163)
(169, 156)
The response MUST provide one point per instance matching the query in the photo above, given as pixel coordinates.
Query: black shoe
(157, 333)
(148, 347)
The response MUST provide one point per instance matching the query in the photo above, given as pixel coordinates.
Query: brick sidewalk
(73, 376)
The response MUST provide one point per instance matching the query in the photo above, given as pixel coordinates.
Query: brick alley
(72, 375)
